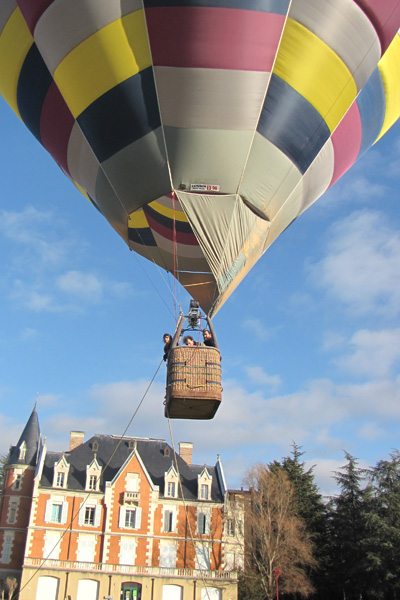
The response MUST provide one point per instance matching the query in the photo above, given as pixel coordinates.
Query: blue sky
(310, 340)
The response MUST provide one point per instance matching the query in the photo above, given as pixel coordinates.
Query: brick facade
(116, 518)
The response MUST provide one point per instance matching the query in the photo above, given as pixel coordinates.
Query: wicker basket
(193, 382)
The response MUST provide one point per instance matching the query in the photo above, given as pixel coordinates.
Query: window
(204, 491)
(7, 544)
(171, 489)
(52, 545)
(60, 479)
(12, 517)
(202, 557)
(22, 452)
(204, 483)
(56, 510)
(89, 515)
(230, 527)
(209, 593)
(167, 555)
(86, 548)
(130, 518)
(132, 482)
(18, 482)
(56, 513)
(168, 520)
(203, 523)
(92, 482)
(127, 551)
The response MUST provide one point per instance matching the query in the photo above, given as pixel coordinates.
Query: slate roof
(113, 453)
(31, 437)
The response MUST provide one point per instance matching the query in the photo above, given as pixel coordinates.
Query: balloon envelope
(201, 129)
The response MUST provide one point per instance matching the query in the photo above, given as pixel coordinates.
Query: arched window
(172, 592)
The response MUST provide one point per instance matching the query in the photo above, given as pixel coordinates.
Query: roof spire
(28, 442)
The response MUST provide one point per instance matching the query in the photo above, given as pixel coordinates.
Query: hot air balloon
(201, 129)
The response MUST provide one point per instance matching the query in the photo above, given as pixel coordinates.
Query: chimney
(76, 439)
(186, 451)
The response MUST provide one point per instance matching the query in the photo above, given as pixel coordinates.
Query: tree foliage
(276, 537)
(355, 536)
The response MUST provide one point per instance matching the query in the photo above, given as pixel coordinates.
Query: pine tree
(350, 531)
(383, 545)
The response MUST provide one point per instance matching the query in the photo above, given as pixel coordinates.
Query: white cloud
(90, 288)
(370, 432)
(81, 284)
(38, 236)
(257, 328)
(361, 266)
(257, 375)
(28, 334)
(375, 353)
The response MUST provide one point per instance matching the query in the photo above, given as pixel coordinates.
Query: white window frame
(82, 517)
(60, 479)
(204, 491)
(168, 551)
(89, 542)
(92, 483)
(56, 513)
(171, 489)
(52, 542)
(122, 517)
(13, 511)
(203, 523)
(203, 562)
(169, 519)
(7, 548)
(48, 513)
(127, 551)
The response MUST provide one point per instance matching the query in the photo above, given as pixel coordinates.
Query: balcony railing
(68, 565)
(131, 497)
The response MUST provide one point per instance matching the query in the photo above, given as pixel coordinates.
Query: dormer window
(92, 482)
(61, 470)
(95, 446)
(93, 472)
(22, 452)
(204, 484)
(204, 491)
(171, 483)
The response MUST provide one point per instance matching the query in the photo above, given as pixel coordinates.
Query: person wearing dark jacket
(208, 338)
(167, 344)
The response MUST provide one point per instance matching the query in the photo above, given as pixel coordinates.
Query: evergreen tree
(350, 531)
(384, 544)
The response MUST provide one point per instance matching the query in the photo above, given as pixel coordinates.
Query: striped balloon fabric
(201, 129)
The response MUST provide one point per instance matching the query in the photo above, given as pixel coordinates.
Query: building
(117, 518)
